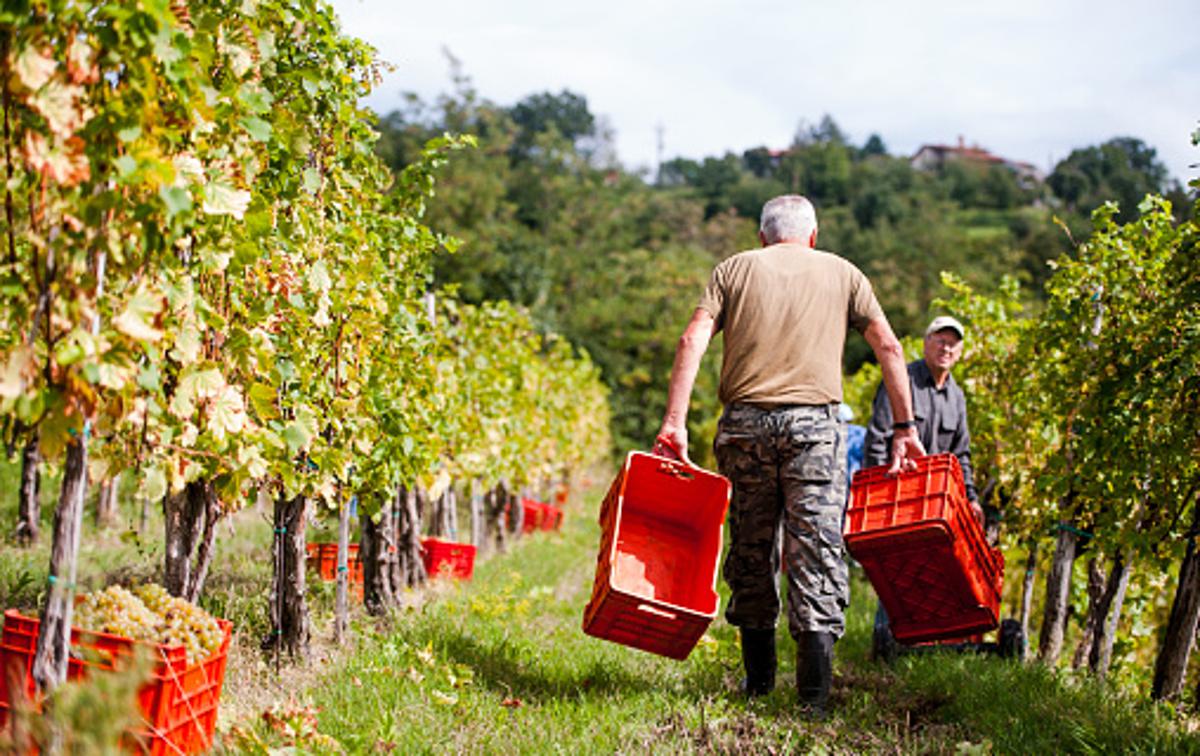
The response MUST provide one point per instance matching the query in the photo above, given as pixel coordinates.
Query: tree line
(616, 260)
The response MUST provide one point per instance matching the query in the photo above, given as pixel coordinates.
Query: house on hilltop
(934, 156)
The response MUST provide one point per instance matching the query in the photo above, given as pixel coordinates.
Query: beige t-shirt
(785, 310)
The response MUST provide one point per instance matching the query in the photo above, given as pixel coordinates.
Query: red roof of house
(970, 153)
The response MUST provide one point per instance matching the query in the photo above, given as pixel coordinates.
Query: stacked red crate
(531, 515)
(924, 552)
(552, 517)
(323, 558)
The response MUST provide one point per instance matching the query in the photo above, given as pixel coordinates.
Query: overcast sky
(1028, 79)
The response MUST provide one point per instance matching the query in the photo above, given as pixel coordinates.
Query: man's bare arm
(692, 345)
(906, 445)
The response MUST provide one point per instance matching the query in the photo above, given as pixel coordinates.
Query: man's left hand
(978, 512)
(906, 447)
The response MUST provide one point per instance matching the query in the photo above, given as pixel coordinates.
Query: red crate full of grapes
(178, 703)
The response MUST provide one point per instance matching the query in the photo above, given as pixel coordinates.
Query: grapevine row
(210, 279)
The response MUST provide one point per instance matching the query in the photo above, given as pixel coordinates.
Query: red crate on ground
(323, 558)
(924, 552)
(179, 703)
(552, 517)
(448, 558)
(532, 513)
(656, 574)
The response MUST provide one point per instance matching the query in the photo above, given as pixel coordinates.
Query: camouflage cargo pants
(787, 465)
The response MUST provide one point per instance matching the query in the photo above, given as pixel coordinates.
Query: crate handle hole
(648, 609)
(677, 471)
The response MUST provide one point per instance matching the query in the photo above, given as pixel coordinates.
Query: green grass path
(500, 665)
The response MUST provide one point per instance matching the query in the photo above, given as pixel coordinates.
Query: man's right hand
(672, 441)
(906, 447)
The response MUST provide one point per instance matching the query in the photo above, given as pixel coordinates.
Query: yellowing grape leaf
(154, 484)
(34, 68)
(63, 108)
(63, 162)
(19, 371)
(228, 413)
(321, 318)
(195, 385)
(297, 436)
(80, 67)
(187, 344)
(188, 169)
(220, 198)
(112, 376)
(262, 399)
(240, 58)
(251, 459)
(318, 277)
(139, 319)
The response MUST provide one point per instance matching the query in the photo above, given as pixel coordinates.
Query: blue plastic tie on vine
(343, 568)
(1081, 533)
(281, 530)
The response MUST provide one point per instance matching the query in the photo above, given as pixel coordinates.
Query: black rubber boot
(814, 671)
(758, 657)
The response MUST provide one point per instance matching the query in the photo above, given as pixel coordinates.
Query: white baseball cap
(943, 322)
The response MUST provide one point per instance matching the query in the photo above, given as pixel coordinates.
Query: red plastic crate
(924, 551)
(323, 558)
(552, 517)
(656, 573)
(179, 703)
(532, 512)
(448, 558)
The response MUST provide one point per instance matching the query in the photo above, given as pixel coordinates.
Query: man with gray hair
(940, 411)
(939, 406)
(784, 311)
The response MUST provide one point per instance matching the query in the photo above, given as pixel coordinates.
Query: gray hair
(788, 217)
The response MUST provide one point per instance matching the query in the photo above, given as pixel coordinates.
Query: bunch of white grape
(183, 623)
(115, 610)
(149, 613)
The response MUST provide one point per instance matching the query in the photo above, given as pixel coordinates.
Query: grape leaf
(139, 319)
(228, 413)
(221, 198)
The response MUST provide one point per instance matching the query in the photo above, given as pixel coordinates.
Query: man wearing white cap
(940, 417)
(939, 407)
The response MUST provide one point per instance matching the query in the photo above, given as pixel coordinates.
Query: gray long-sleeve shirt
(941, 416)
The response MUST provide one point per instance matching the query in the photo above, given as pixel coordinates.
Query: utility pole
(659, 130)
